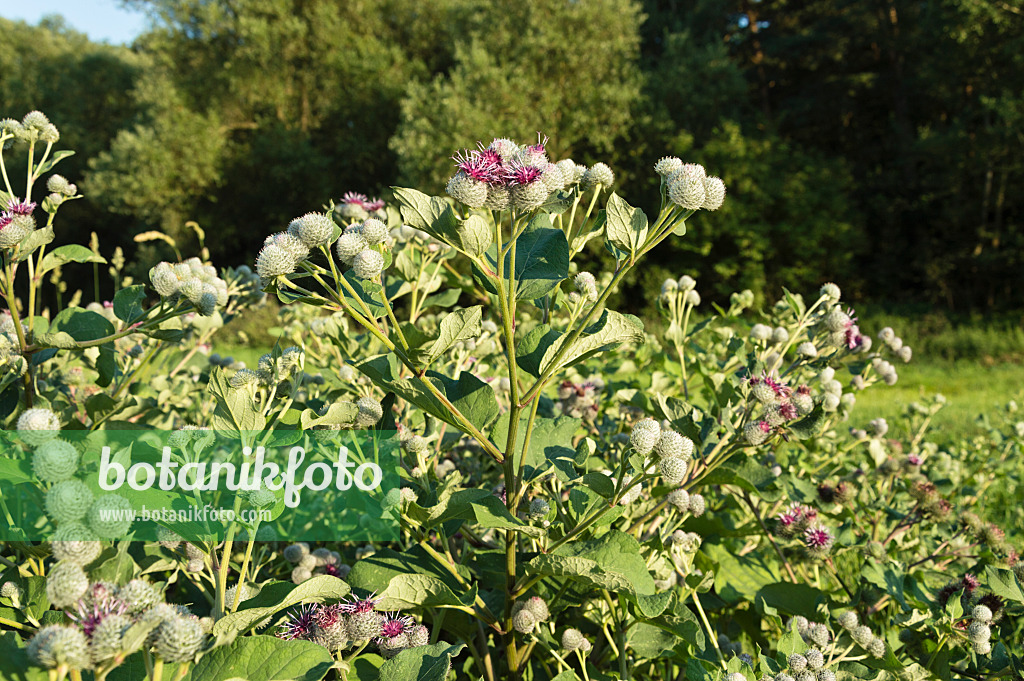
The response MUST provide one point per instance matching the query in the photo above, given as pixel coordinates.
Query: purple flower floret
(300, 625)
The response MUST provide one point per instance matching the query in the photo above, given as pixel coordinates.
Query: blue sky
(102, 20)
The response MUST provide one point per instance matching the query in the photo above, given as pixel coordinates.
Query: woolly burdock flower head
(673, 470)
(524, 621)
(586, 284)
(364, 625)
(498, 197)
(598, 175)
(300, 625)
(686, 186)
(374, 231)
(679, 498)
(481, 166)
(573, 639)
(714, 193)
(350, 244)
(818, 540)
(178, 639)
(312, 229)
(553, 178)
(65, 584)
(368, 264)
(370, 412)
(76, 551)
(59, 646)
(55, 461)
(138, 595)
(106, 639)
(672, 445)
(468, 190)
(667, 165)
(111, 516)
(272, 262)
(38, 425)
(644, 436)
(848, 620)
(504, 147)
(756, 432)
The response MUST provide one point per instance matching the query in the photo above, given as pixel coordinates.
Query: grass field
(971, 388)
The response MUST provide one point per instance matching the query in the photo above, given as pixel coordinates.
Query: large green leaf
(275, 597)
(409, 591)
(612, 562)
(536, 352)
(739, 579)
(551, 438)
(14, 663)
(625, 226)
(471, 396)
(458, 326)
(542, 259)
(236, 409)
(424, 663)
(62, 255)
(75, 324)
(1004, 584)
(128, 303)
(435, 216)
(264, 658)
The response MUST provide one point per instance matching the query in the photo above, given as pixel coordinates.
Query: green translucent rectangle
(148, 485)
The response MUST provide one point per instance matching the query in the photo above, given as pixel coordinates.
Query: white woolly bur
(686, 186)
(714, 193)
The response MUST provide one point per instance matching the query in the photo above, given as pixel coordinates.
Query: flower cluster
(34, 127)
(16, 222)
(308, 563)
(779, 404)
(349, 623)
(580, 400)
(802, 521)
(688, 185)
(357, 207)
(361, 245)
(526, 615)
(193, 281)
(103, 614)
(506, 174)
(862, 634)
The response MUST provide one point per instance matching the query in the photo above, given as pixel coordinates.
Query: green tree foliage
(518, 71)
(876, 143)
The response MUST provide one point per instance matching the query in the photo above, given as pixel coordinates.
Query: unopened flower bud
(368, 264)
(697, 505)
(178, 639)
(807, 349)
(679, 498)
(65, 584)
(313, 229)
(598, 175)
(714, 193)
(57, 645)
(848, 620)
(467, 190)
(572, 639)
(672, 445)
(36, 426)
(645, 435)
(686, 186)
(55, 460)
(672, 470)
(586, 285)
